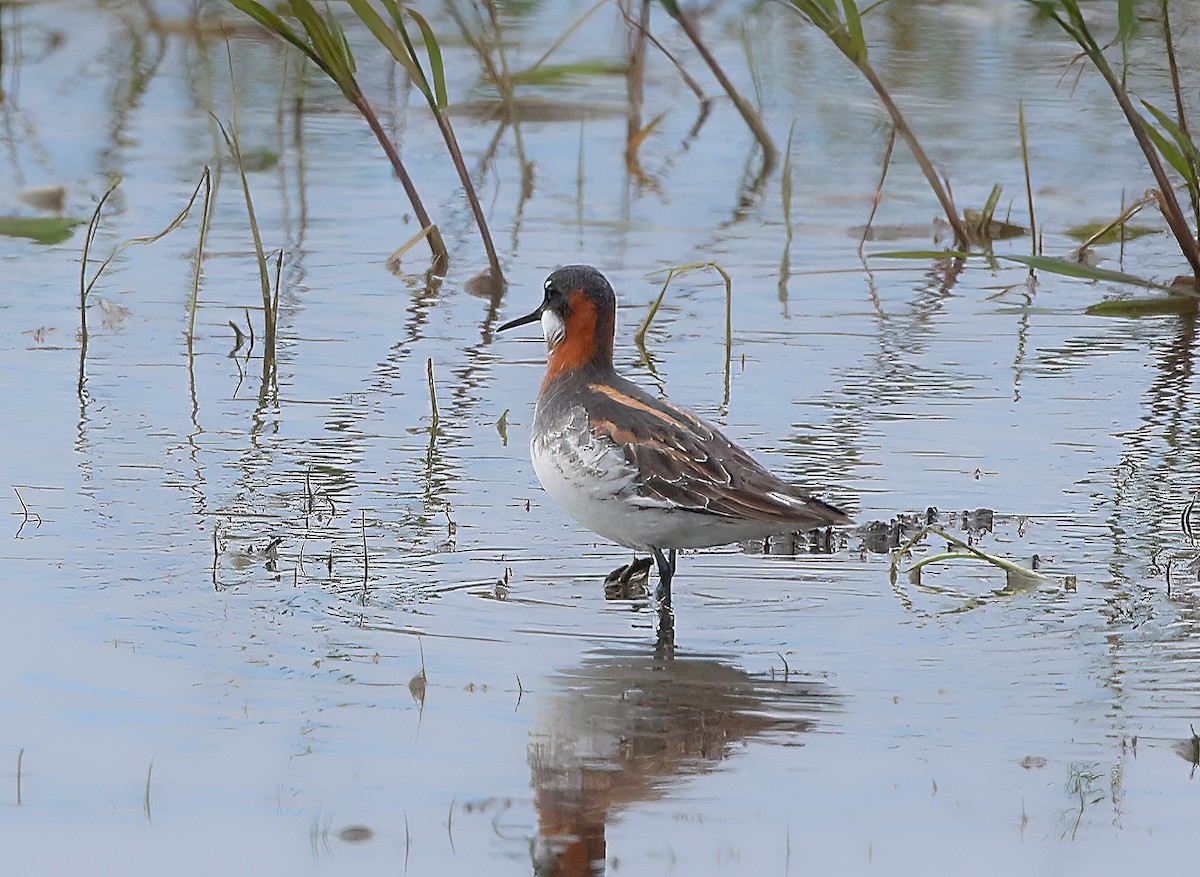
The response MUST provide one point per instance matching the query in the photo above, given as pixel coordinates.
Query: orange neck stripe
(588, 339)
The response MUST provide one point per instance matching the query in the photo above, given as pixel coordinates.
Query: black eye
(553, 295)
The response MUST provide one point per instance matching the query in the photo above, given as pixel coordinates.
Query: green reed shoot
(1176, 147)
(1033, 241)
(785, 185)
(847, 36)
(324, 43)
(269, 313)
(982, 225)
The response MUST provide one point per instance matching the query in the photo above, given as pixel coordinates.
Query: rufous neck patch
(582, 343)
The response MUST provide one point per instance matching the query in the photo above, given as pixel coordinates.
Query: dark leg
(666, 572)
(664, 644)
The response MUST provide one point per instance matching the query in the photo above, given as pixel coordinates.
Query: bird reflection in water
(627, 725)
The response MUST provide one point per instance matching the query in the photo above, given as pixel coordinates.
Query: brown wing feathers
(690, 464)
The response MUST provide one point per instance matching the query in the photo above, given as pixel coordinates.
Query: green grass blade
(858, 42)
(989, 207)
(551, 74)
(921, 254)
(434, 51)
(1186, 146)
(274, 24)
(827, 9)
(1168, 150)
(419, 79)
(386, 35)
(1083, 272)
(343, 45)
(1048, 264)
(785, 182)
(324, 45)
(1145, 307)
(820, 13)
(1125, 21)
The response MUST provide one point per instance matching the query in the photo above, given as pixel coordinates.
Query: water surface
(202, 673)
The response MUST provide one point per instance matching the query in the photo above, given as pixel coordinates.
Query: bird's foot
(629, 582)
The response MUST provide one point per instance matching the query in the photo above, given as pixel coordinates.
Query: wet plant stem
(847, 36)
(433, 406)
(325, 44)
(436, 244)
(84, 287)
(435, 96)
(968, 551)
(1180, 112)
(643, 28)
(878, 196)
(747, 112)
(366, 557)
(635, 77)
(464, 175)
(205, 220)
(146, 797)
(1169, 204)
(931, 176)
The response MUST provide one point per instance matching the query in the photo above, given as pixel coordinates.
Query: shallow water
(201, 673)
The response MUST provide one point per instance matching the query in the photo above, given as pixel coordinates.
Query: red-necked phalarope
(633, 468)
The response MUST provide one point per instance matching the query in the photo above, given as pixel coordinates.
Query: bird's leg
(629, 581)
(666, 572)
(664, 646)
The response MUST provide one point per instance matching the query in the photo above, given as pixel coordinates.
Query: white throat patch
(554, 330)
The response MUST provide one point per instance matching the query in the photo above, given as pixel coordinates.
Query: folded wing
(687, 463)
